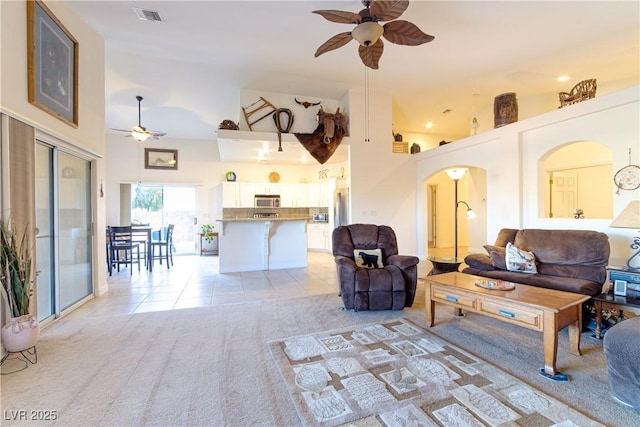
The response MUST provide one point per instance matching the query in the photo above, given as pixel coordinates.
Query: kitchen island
(254, 244)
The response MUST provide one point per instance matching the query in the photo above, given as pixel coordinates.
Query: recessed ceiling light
(563, 78)
(428, 125)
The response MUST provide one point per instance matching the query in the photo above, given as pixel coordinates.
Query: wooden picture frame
(159, 158)
(52, 54)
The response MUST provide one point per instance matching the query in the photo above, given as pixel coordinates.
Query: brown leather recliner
(391, 287)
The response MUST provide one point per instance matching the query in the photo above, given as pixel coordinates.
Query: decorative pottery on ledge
(505, 109)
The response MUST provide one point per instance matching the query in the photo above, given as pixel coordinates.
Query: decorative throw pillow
(497, 254)
(519, 260)
(368, 258)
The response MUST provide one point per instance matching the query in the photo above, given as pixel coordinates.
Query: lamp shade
(629, 217)
(456, 173)
(367, 33)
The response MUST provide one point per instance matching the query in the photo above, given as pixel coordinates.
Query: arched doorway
(440, 212)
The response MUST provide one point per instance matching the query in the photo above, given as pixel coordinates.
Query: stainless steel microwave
(266, 200)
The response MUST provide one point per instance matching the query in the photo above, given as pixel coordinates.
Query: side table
(444, 264)
(602, 302)
(214, 250)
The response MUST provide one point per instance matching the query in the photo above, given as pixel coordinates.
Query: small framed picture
(157, 158)
(620, 287)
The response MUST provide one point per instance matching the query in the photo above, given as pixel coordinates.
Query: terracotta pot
(20, 333)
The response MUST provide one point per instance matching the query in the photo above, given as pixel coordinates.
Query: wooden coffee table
(545, 310)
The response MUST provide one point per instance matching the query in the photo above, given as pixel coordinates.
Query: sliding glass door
(63, 220)
(74, 228)
(160, 205)
(45, 290)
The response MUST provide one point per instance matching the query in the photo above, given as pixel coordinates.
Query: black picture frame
(159, 158)
(52, 64)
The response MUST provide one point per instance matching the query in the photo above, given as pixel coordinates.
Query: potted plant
(207, 232)
(17, 276)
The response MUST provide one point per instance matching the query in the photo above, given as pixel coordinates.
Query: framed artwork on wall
(158, 158)
(52, 54)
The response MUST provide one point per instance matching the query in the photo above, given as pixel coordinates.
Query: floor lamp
(630, 218)
(455, 175)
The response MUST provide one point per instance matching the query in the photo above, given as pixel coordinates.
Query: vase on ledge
(20, 333)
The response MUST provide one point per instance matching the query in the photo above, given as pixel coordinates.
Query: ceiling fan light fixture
(140, 136)
(367, 33)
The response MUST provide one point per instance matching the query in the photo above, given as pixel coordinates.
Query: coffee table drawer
(518, 314)
(452, 296)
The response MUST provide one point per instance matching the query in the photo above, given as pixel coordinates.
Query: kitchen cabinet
(237, 195)
(314, 195)
(319, 237)
(261, 244)
(294, 195)
(266, 188)
(246, 193)
(321, 194)
(230, 195)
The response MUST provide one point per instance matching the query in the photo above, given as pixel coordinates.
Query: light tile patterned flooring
(194, 281)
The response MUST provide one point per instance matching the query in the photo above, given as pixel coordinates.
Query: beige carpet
(212, 366)
(398, 374)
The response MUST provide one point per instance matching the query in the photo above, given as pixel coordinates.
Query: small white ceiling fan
(139, 132)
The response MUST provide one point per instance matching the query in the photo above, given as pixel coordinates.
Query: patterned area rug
(397, 374)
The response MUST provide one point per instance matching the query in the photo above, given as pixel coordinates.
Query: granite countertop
(261, 219)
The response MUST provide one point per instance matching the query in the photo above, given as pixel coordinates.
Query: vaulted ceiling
(191, 66)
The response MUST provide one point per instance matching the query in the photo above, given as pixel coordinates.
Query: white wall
(13, 76)
(383, 188)
(511, 155)
(88, 139)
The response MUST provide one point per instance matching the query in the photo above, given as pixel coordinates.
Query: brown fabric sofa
(391, 287)
(566, 260)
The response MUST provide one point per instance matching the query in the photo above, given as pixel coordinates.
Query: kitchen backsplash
(306, 213)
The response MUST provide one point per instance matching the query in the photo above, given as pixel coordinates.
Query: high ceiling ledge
(246, 146)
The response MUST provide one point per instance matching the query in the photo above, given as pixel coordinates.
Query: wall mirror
(578, 182)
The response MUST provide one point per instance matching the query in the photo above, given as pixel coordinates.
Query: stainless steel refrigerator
(341, 207)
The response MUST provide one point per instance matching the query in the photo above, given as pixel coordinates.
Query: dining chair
(141, 238)
(122, 246)
(167, 244)
(108, 249)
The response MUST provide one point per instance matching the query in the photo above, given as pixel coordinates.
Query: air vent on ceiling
(147, 15)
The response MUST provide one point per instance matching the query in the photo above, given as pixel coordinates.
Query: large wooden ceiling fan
(139, 132)
(368, 31)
